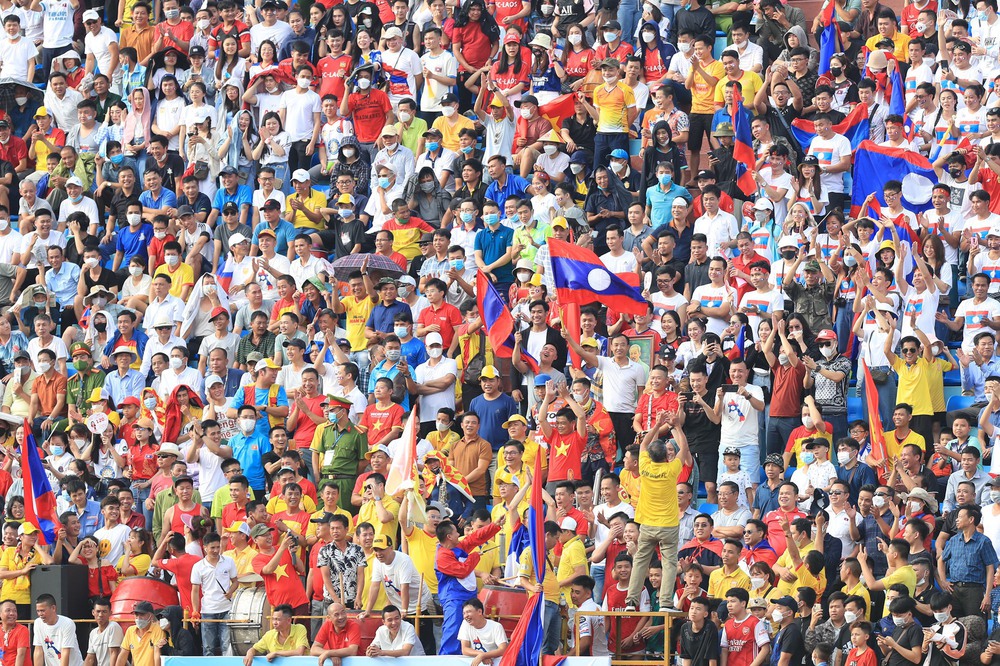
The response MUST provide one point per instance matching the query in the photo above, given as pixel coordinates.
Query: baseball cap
(238, 238)
(217, 312)
(230, 207)
(41, 112)
(228, 171)
(196, 51)
(448, 98)
(28, 528)
(705, 174)
(294, 342)
(382, 542)
(826, 334)
(527, 99)
(300, 176)
(375, 449)
(260, 530)
(763, 204)
(568, 524)
(390, 130)
(433, 338)
(541, 379)
(72, 180)
(619, 154)
(324, 518)
(270, 204)
(143, 607)
(239, 526)
(91, 15)
(516, 418)
(212, 380)
(392, 32)
(184, 211)
(787, 602)
(490, 372)
(266, 363)
(345, 199)
(559, 222)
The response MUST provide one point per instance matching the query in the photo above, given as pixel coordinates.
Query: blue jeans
(629, 14)
(214, 635)
(604, 143)
(779, 429)
(141, 495)
(842, 327)
(597, 573)
(553, 628)
(886, 397)
(839, 423)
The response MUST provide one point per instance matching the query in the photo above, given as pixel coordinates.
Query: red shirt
(742, 640)
(14, 150)
(786, 400)
(317, 579)
(505, 8)
(308, 488)
(231, 513)
(775, 535)
(476, 45)
(725, 203)
(380, 421)
(368, 113)
(623, 51)
(511, 77)
(181, 567)
(614, 599)
(99, 582)
(142, 460)
(284, 585)
(183, 31)
(565, 452)
(653, 66)
(853, 658)
(332, 72)
(306, 426)
(220, 32)
(578, 65)
(14, 640)
(331, 639)
(446, 316)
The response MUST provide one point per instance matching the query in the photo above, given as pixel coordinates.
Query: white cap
(994, 231)
(91, 15)
(300, 176)
(433, 338)
(238, 238)
(406, 279)
(392, 31)
(788, 241)
(73, 180)
(763, 204)
(212, 380)
(568, 524)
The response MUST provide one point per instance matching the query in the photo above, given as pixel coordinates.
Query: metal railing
(617, 617)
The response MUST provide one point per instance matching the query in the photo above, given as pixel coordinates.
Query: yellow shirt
(313, 202)
(657, 505)
(507, 530)
(630, 488)
(297, 638)
(862, 592)
(443, 441)
(449, 131)
(276, 504)
(719, 582)
(531, 448)
(574, 555)
(422, 549)
(141, 647)
(244, 561)
(905, 575)
(750, 82)
(17, 589)
(939, 366)
(914, 385)
(612, 107)
(138, 562)
(357, 316)
(805, 578)
(368, 513)
(180, 278)
(380, 599)
(311, 530)
(900, 44)
(703, 94)
(550, 588)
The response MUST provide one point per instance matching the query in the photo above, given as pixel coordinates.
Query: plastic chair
(956, 402)
(855, 409)
(708, 508)
(953, 378)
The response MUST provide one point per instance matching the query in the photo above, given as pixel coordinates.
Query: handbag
(474, 368)
(201, 170)
(879, 376)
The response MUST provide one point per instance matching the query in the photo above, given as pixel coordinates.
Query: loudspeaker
(68, 583)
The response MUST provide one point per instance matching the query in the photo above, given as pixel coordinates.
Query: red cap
(826, 334)
(218, 311)
(511, 37)
(131, 400)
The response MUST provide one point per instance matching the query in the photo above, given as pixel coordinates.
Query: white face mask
(995, 495)
(442, 427)
(44, 367)
(550, 149)
(898, 621)
(916, 507)
(940, 616)
(575, 38)
(920, 27)
(609, 78)
(135, 219)
(807, 422)
(20, 101)
(405, 117)
(135, 271)
(843, 457)
(435, 352)
(850, 617)
(448, 111)
(304, 83)
(526, 114)
(878, 501)
(828, 352)
(172, 259)
(248, 425)
(617, 167)
(349, 152)
(756, 582)
(648, 37)
(610, 37)
(90, 262)
(576, 168)
(164, 624)
(684, 47)
(547, 10)
(176, 363)
(777, 616)
(364, 84)
(783, 359)
(203, 24)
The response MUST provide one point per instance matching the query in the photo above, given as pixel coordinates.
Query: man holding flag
(834, 154)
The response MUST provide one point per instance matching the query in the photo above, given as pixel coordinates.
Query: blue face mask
(117, 159)
(458, 264)
(808, 457)
(331, 417)
(466, 217)
(433, 146)
(665, 179)
(491, 218)
(383, 182)
(58, 451)
(467, 149)
(76, 200)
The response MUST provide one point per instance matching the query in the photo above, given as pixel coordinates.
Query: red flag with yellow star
(555, 112)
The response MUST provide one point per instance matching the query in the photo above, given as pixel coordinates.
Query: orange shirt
(141, 40)
(48, 390)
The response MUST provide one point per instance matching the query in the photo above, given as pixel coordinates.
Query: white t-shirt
(443, 64)
(98, 46)
(490, 637)
(622, 384)
(973, 314)
(267, 280)
(766, 302)
(112, 541)
(622, 264)
(431, 403)
(57, 30)
(406, 635)
(401, 68)
(10, 244)
(924, 305)
(169, 113)
(211, 477)
(214, 582)
(56, 346)
(739, 419)
(299, 109)
(55, 639)
(15, 57)
(829, 152)
(840, 527)
(782, 182)
(394, 576)
(279, 33)
(40, 248)
(713, 297)
(101, 642)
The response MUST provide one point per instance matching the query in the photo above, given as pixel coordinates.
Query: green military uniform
(340, 452)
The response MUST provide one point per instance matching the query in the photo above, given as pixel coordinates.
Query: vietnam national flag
(555, 112)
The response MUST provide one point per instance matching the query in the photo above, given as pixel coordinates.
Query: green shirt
(411, 137)
(80, 386)
(340, 450)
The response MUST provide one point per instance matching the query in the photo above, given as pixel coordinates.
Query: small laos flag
(39, 501)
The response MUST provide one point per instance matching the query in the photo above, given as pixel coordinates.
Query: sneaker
(630, 608)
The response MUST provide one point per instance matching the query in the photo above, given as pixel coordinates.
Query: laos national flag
(897, 101)
(874, 165)
(498, 321)
(743, 147)
(582, 278)
(525, 647)
(829, 40)
(39, 501)
(854, 127)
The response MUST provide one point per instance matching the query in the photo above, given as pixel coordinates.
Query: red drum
(506, 602)
(136, 589)
(369, 626)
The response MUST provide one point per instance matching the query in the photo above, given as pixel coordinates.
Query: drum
(506, 602)
(140, 588)
(369, 626)
(247, 619)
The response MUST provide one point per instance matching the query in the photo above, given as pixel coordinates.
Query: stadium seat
(953, 378)
(855, 409)
(705, 507)
(959, 402)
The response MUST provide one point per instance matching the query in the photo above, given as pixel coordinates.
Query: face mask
(609, 78)
(547, 10)
(777, 616)
(783, 359)
(756, 582)
(467, 150)
(58, 451)
(665, 179)
(248, 425)
(100, 302)
(836, 71)
(117, 159)
(684, 47)
(400, 331)
(898, 621)
(807, 422)
(550, 149)
(580, 398)
(940, 616)
(617, 167)
(76, 200)
(850, 617)
(100, 327)
(20, 101)
(808, 457)
(142, 623)
(172, 259)
(829, 352)
(610, 37)
(850, 261)
(203, 24)
(304, 83)
(920, 27)
(150, 403)
(466, 217)
(164, 624)
(916, 507)
(135, 271)
(90, 262)
(349, 152)
(405, 117)
(331, 417)
(134, 219)
(648, 37)
(995, 495)
(44, 367)
(458, 264)
(210, 289)
(364, 84)
(878, 502)
(490, 219)
(176, 363)
(524, 276)
(576, 168)
(441, 426)
(432, 146)
(789, 255)
(448, 111)
(383, 182)
(843, 457)
(393, 354)
(526, 114)
(427, 187)
(575, 39)
(171, 13)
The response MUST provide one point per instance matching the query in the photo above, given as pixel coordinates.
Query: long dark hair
(486, 21)
(504, 62)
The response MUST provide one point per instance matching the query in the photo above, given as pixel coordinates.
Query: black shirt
(171, 170)
(702, 434)
(908, 636)
(696, 275)
(582, 134)
(120, 203)
(201, 204)
(699, 646)
(347, 235)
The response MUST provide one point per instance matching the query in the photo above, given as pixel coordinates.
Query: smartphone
(974, 241)
(944, 64)
(688, 395)
(730, 388)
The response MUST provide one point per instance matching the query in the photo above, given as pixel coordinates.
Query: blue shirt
(415, 352)
(388, 370)
(974, 377)
(167, 199)
(861, 475)
(492, 415)
(122, 387)
(263, 429)
(660, 203)
(966, 561)
(284, 235)
(250, 452)
(381, 318)
(514, 185)
(63, 283)
(91, 519)
(242, 197)
(134, 243)
(493, 243)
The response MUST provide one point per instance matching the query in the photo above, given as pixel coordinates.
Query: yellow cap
(589, 342)
(490, 372)
(559, 222)
(536, 280)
